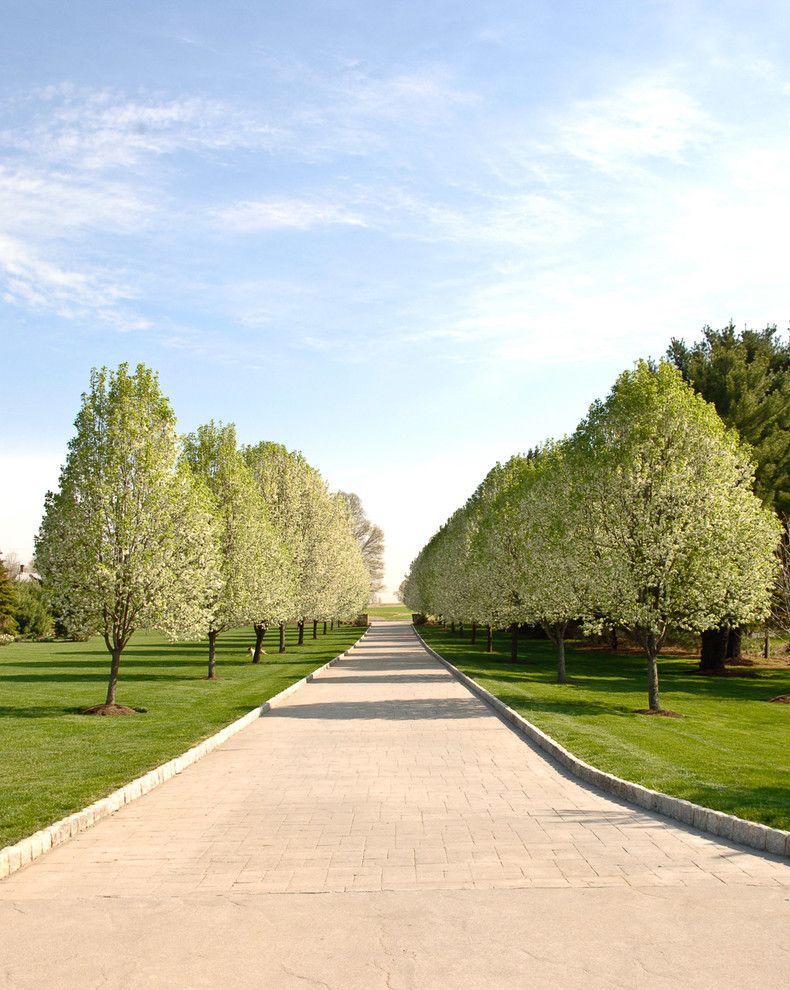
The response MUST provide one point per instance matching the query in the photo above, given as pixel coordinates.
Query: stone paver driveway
(384, 773)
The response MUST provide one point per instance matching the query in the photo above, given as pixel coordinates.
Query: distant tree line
(657, 514)
(191, 535)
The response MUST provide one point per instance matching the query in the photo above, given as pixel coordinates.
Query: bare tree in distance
(370, 539)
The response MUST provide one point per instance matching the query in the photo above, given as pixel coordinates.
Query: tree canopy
(645, 518)
(746, 375)
(125, 541)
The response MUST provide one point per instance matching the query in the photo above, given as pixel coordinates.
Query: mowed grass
(730, 752)
(391, 611)
(54, 761)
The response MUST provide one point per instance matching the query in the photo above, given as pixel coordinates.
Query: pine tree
(8, 625)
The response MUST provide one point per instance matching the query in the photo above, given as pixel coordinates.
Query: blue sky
(408, 239)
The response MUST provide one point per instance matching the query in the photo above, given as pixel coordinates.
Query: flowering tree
(127, 539)
(315, 527)
(251, 560)
(676, 533)
(555, 566)
(348, 586)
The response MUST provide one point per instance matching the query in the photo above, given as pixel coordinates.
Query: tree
(370, 539)
(555, 578)
(8, 626)
(126, 540)
(31, 613)
(348, 578)
(251, 562)
(298, 506)
(677, 536)
(747, 377)
(499, 552)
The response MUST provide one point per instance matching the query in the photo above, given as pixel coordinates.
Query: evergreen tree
(746, 376)
(8, 625)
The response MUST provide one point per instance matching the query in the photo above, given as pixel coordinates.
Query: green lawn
(730, 752)
(54, 761)
(392, 611)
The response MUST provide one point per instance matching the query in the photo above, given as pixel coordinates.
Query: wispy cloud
(253, 216)
(53, 203)
(97, 130)
(42, 284)
(643, 119)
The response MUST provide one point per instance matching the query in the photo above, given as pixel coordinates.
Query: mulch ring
(726, 673)
(111, 710)
(781, 699)
(664, 712)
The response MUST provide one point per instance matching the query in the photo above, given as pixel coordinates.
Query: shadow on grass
(624, 678)
(99, 677)
(564, 706)
(40, 711)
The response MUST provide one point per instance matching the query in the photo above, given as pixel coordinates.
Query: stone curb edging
(13, 858)
(753, 834)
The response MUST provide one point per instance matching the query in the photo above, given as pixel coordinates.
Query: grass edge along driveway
(731, 751)
(55, 761)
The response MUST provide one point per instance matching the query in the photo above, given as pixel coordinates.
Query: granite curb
(13, 858)
(753, 834)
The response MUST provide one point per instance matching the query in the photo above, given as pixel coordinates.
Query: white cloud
(52, 203)
(648, 118)
(43, 284)
(254, 216)
(99, 130)
(416, 97)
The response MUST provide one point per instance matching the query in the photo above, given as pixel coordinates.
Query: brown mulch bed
(781, 699)
(110, 710)
(725, 673)
(664, 712)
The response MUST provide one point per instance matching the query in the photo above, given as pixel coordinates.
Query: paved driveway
(447, 850)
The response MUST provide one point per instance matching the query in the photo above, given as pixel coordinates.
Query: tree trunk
(558, 635)
(489, 639)
(300, 627)
(212, 655)
(713, 651)
(653, 696)
(514, 642)
(474, 632)
(112, 684)
(452, 629)
(460, 628)
(332, 625)
(734, 643)
(260, 632)
(315, 628)
(325, 628)
(282, 638)
(613, 639)
(766, 646)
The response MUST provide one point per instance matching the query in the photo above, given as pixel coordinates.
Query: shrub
(32, 616)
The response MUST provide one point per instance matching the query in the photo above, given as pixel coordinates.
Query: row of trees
(644, 519)
(191, 535)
